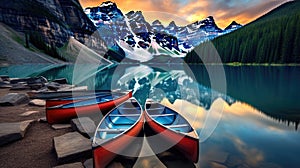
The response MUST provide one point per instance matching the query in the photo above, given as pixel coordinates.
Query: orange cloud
(224, 11)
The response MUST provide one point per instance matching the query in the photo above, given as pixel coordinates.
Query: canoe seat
(128, 108)
(162, 115)
(124, 115)
(111, 130)
(158, 108)
(178, 126)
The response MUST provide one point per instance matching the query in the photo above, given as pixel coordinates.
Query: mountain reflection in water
(273, 90)
(248, 134)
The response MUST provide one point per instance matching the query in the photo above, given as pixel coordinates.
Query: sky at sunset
(188, 11)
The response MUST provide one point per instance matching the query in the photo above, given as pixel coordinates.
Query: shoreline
(141, 63)
(36, 148)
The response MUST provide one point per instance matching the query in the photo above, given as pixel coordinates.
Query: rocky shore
(27, 140)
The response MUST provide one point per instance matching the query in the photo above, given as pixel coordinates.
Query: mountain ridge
(272, 38)
(133, 29)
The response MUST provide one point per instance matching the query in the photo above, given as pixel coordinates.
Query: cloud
(252, 155)
(224, 11)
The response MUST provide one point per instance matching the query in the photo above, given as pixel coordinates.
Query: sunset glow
(182, 12)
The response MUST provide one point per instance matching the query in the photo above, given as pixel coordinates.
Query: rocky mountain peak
(234, 22)
(172, 24)
(108, 4)
(156, 22)
(234, 25)
(211, 18)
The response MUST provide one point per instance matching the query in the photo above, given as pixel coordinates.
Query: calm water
(250, 118)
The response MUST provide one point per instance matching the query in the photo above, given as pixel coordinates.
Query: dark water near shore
(258, 107)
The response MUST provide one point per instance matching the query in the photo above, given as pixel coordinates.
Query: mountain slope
(13, 50)
(54, 20)
(49, 24)
(74, 51)
(273, 38)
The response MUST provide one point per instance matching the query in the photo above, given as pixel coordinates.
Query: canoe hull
(105, 153)
(51, 103)
(76, 97)
(187, 145)
(60, 115)
(57, 94)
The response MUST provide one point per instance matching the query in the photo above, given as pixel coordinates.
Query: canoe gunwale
(88, 94)
(64, 93)
(92, 98)
(72, 112)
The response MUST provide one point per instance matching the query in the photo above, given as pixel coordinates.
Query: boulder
(88, 163)
(4, 85)
(71, 147)
(20, 86)
(84, 125)
(37, 80)
(60, 126)
(36, 86)
(12, 99)
(28, 113)
(11, 132)
(42, 120)
(61, 81)
(70, 165)
(37, 102)
(4, 78)
(33, 80)
(53, 86)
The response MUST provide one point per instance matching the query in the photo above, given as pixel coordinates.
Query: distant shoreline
(5, 64)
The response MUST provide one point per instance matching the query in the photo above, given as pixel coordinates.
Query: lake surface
(245, 116)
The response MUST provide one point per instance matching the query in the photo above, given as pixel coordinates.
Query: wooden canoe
(116, 131)
(170, 128)
(101, 104)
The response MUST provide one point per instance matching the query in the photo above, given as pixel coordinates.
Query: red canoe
(116, 131)
(166, 129)
(102, 104)
(71, 99)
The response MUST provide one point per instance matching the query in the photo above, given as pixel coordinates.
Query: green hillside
(273, 38)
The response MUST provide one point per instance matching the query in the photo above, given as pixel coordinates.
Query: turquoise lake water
(260, 109)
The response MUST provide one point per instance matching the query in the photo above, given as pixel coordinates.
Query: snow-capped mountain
(137, 22)
(109, 21)
(132, 33)
(106, 13)
(157, 26)
(197, 32)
